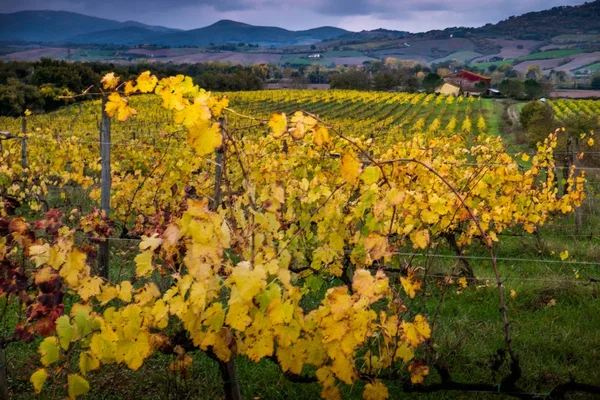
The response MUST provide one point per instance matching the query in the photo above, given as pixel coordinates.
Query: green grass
(485, 65)
(545, 55)
(592, 67)
(463, 56)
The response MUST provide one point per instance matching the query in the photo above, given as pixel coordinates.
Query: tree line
(42, 85)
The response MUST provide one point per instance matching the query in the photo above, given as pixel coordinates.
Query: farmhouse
(448, 89)
(466, 81)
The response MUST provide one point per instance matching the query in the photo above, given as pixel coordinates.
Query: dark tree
(431, 82)
(513, 88)
(357, 80)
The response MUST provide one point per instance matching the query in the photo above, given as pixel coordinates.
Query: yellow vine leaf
(368, 286)
(108, 294)
(143, 264)
(129, 88)
(564, 255)
(291, 358)
(40, 254)
(49, 350)
(65, 331)
(590, 142)
(150, 242)
(146, 82)
(193, 113)
(38, 378)
(411, 285)
(119, 106)
(415, 333)
(27, 112)
(405, 353)
(278, 125)
(110, 81)
(125, 290)
(375, 391)
(420, 238)
(377, 246)
(88, 362)
(370, 175)
(350, 169)
(321, 136)
(204, 137)
(418, 371)
(462, 282)
(77, 386)
(89, 287)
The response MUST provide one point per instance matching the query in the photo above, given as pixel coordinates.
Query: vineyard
(167, 242)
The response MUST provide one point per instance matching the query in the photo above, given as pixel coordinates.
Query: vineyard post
(153, 147)
(24, 142)
(3, 379)
(577, 163)
(231, 384)
(103, 254)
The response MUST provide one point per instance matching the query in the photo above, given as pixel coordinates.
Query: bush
(537, 120)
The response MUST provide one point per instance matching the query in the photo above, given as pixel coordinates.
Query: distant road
(576, 94)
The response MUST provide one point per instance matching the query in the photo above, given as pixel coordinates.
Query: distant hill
(540, 25)
(226, 31)
(68, 27)
(58, 26)
(126, 36)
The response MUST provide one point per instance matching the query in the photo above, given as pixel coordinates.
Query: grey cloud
(189, 14)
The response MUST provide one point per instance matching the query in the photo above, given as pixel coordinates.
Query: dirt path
(513, 114)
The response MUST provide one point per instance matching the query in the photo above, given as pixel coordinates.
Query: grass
(546, 55)
(554, 342)
(592, 67)
(463, 56)
(485, 65)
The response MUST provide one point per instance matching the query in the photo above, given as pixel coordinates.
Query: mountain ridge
(56, 26)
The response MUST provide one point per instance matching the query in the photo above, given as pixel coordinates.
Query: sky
(354, 15)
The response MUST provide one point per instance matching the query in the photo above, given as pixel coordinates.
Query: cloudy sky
(356, 15)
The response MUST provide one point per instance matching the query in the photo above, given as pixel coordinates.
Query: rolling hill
(58, 26)
(226, 31)
(127, 36)
(65, 27)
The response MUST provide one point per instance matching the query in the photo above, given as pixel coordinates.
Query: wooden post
(231, 385)
(103, 254)
(577, 163)
(3, 378)
(24, 143)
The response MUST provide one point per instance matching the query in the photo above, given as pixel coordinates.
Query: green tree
(533, 89)
(16, 97)
(384, 80)
(595, 82)
(513, 88)
(431, 82)
(537, 120)
(354, 79)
